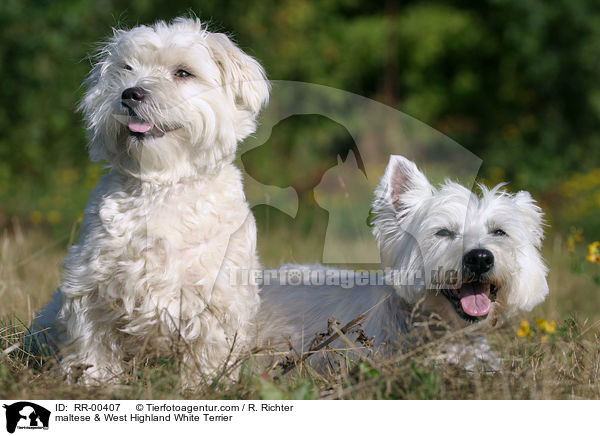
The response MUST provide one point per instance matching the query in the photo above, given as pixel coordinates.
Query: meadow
(550, 353)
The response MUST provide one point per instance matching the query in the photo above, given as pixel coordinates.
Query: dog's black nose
(135, 93)
(478, 261)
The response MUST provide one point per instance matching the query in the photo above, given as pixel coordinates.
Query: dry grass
(565, 365)
(29, 271)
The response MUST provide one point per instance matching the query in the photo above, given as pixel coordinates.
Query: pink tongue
(138, 126)
(474, 302)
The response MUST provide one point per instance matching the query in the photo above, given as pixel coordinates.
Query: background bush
(515, 82)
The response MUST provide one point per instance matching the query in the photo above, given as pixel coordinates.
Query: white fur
(408, 212)
(167, 226)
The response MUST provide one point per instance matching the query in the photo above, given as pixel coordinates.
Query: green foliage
(515, 82)
(419, 381)
(300, 389)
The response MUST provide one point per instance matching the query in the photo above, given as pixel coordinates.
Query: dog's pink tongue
(138, 126)
(474, 299)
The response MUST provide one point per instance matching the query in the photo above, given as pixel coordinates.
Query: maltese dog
(165, 106)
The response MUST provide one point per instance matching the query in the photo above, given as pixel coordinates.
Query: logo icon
(26, 415)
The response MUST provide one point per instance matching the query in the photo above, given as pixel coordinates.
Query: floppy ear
(99, 149)
(241, 73)
(533, 217)
(402, 184)
(532, 287)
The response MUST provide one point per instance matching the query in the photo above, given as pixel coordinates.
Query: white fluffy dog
(167, 226)
(464, 257)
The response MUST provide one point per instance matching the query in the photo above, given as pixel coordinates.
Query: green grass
(566, 365)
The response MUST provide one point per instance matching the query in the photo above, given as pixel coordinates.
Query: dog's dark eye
(128, 67)
(182, 74)
(498, 232)
(445, 233)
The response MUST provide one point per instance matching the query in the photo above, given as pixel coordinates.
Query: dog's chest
(177, 220)
(164, 241)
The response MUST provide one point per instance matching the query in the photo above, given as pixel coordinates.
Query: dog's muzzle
(135, 94)
(131, 99)
(478, 261)
(473, 299)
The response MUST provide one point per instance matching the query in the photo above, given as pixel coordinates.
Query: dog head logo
(26, 415)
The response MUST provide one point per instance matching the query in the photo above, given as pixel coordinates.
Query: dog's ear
(532, 215)
(241, 73)
(403, 184)
(400, 192)
(532, 287)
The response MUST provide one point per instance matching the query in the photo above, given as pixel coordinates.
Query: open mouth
(473, 300)
(141, 128)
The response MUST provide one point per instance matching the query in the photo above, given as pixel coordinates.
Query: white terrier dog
(164, 229)
(464, 257)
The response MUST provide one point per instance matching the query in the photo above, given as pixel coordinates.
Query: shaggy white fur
(166, 228)
(464, 257)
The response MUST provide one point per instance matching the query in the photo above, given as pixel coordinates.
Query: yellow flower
(525, 330)
(545, 326)
(575, 237)
(540, 322)
(593, 252)
(550, 327)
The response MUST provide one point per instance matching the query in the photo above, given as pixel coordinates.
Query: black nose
(136, 94)
(478, 261)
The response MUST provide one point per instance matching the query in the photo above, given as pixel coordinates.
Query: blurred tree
(515, 82)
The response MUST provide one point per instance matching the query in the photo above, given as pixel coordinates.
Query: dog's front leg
(91, 352)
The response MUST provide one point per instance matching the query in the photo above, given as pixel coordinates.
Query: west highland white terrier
(445, 252)
(163, 231)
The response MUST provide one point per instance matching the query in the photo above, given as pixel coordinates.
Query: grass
(562, 365)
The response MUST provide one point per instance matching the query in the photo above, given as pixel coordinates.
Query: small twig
(314, 348)
(226, 369)
(13, 347)
(592, 326)
(352, 346)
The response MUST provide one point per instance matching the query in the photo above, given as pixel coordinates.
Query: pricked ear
(242, 73)
(533, 217)
(401, 180)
